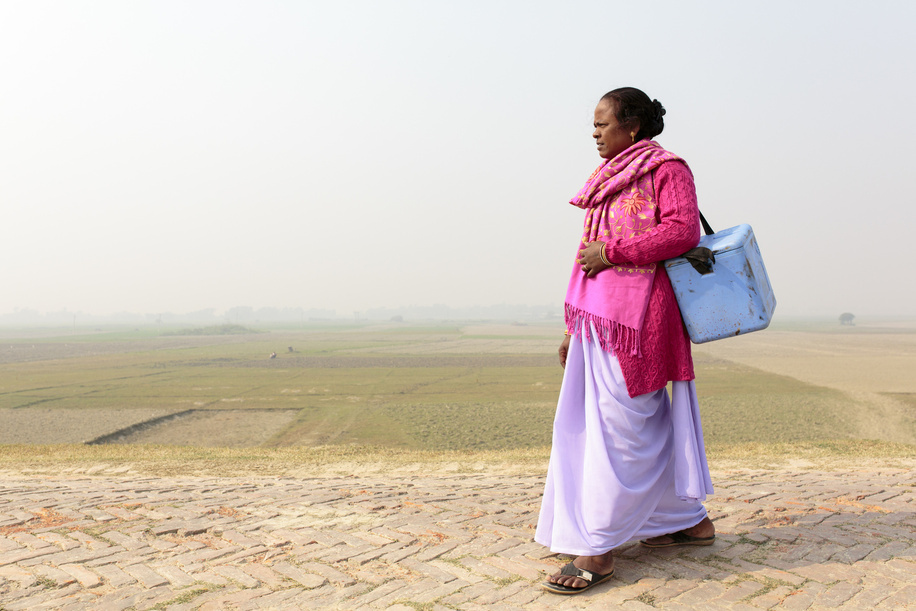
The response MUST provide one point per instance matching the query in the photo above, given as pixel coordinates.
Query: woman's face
(610, 137)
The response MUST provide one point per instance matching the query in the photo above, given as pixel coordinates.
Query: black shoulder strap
(706, 226)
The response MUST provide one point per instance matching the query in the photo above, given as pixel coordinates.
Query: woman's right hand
(564, 350)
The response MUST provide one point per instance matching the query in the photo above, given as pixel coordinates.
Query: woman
(626, 461)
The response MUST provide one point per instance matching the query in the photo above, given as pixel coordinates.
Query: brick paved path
(787, 540)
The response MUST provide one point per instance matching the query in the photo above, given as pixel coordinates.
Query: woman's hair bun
(633, 105)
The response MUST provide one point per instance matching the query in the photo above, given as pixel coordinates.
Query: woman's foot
(703, 533)
(598, 565)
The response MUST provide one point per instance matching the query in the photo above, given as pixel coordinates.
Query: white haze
(176, 156)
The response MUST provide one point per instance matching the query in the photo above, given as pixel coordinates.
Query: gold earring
(633, 136)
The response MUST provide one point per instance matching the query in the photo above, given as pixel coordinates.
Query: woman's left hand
(590, 258)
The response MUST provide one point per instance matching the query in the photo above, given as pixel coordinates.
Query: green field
(433, 388)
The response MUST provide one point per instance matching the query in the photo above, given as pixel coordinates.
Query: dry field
(875, 372)
(41, 425)
(465, 388)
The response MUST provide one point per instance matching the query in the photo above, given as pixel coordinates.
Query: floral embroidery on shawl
(619, 199)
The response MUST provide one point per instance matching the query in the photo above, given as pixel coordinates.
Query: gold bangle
(603, 254)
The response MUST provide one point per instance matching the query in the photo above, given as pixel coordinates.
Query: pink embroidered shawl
(620, 202)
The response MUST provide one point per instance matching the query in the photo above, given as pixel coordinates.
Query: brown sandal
(680, 538)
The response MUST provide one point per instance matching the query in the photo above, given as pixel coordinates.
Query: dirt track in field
(866, 367)
(851, 363)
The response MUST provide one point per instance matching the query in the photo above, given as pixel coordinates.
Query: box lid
(727, 239)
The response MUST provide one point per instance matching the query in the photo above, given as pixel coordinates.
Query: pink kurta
(665, 346)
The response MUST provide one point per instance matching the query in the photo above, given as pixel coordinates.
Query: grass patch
(187, 596)
(46, 583)
(505, 581)
(822, 454)
(185, 460)
(417, 606)
(907, 398)
(71, 459)
(741, 404)
(394, 389)
(646, 598)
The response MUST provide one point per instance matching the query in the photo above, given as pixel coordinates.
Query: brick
(127, 542)
(19, 555)
(28, 540)
(165, 528)
(87, 578)
(116, 577)
(904, 566)
(773, 597)
(838, 594)
(484, 569)
(829, 573)
(439, 591)
(211, 578)
(264, 574)
(882, 597)
(704, 592)
(236, 599)
(329, 573)
(145, 575)
(497, 595)
(239, 539)
(63, 543)
(738, 591)
(397, 556)
(778, 575)
(175, 575)
(242, 554)
(514, 568)
(44, 599)
(62, 578)
(235, 574)
(471, 592)
(433, 552)
(853, 554)
(826, 545)
(407, 592)
(375, 553)
(802, 598)
(673, 588)
(307, 580)
(383, 590)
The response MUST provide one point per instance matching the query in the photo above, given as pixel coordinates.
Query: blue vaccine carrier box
(735, 298)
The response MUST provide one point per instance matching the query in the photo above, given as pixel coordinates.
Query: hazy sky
(175, 156)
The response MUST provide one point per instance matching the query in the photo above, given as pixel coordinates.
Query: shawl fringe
(611, 335)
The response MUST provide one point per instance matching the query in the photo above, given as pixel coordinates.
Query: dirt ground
(867, 367)
(229, 428)
(42, 425)
(879, 362)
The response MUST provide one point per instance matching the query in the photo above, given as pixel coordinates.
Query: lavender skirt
(621, 468)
